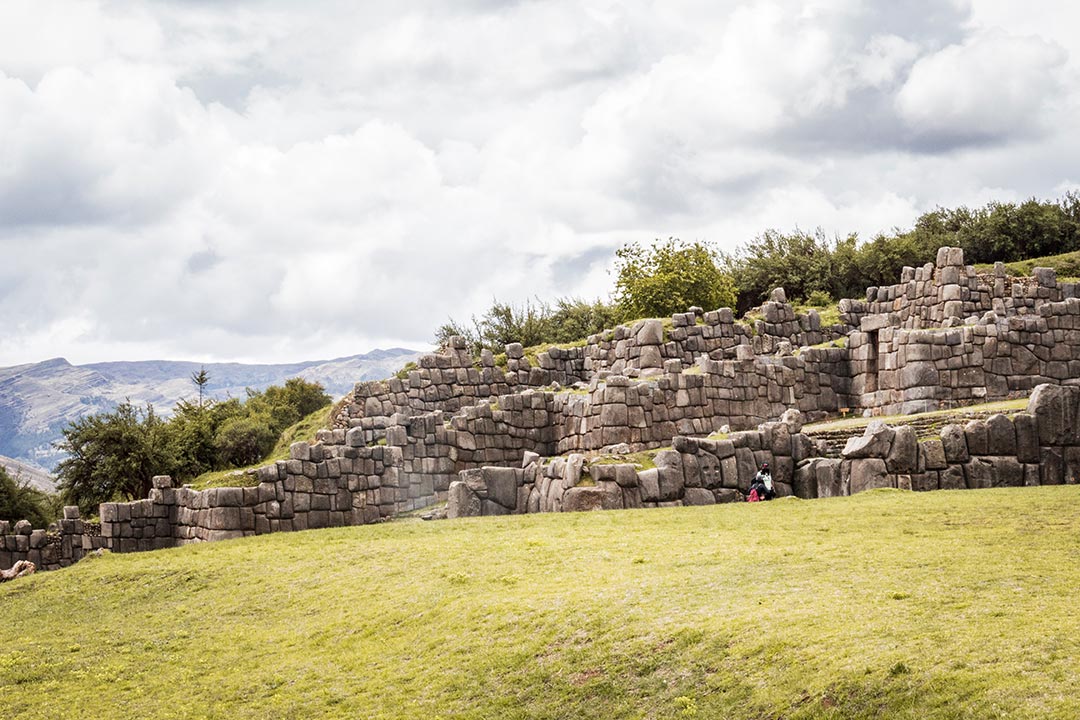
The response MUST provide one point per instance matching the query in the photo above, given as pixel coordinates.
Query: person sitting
(762, 484)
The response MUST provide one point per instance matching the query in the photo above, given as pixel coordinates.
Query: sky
(272, 181)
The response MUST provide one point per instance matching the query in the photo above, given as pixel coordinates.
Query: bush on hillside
(668, 277)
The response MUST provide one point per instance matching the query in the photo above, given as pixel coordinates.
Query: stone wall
(62, 544)
(949, 292)
(1037, 447)
(695, 471)
(319, 486)
(450, 381)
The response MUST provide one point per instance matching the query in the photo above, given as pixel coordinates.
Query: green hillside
(885, 604)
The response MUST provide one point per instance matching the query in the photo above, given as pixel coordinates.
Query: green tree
(285, 405)
(20, 501)
(113, 455)
(244, 440)
(668, 277)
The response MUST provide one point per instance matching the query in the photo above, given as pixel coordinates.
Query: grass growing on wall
(1067, 266)
(885, 605)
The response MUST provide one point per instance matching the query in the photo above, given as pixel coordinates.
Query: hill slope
(886, 604)
(39, 400)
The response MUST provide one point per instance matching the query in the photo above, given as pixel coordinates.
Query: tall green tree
(113, 455)
(669, 276)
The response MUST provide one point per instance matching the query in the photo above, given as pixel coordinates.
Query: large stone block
(904, 455)
(649, 482)
(875, 442)
(954, 441)
(1001, 435)
(1027, 437)
(932, 455)
(952, 478)
(978, 437)
(698, 496)
(1055, 406)
(462, 501)
(502, 486)
(867, 474)
(651, 332)
(579, 499)
(979, 473)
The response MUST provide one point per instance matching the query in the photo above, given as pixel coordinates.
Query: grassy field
(884, 605)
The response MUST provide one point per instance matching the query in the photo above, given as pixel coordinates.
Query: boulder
(793, 419)
(875, 442)
(954, 442)
(868, 474)
(903, 457)
(698, 496)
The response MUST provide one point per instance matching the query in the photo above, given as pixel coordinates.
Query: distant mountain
(39, 400)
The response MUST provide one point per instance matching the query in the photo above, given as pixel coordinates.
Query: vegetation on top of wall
(114, 455)
(805, 263)
(1066, 265)
(669, 277)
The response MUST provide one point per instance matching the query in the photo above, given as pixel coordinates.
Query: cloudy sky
(270, 180)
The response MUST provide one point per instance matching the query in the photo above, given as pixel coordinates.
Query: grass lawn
(885, 605)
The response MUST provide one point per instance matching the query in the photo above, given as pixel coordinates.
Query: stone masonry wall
(693, 472)
(1037, 447)
(449, 381)
(319, 486)
(62, 544)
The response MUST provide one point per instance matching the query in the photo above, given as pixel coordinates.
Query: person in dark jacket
(763, 483)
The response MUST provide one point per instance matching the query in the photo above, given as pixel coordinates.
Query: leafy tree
(21, 501)
(668, 277)
(284, 405)
(113, 455)
(244, 440)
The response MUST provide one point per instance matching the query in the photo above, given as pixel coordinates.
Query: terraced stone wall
(694, 471)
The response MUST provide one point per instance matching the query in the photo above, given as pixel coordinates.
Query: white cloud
(274, 180)
(991, 88)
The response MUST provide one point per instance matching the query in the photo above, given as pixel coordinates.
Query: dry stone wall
(62, 544)
(695, 471)
(1038, 447)
(319, 486)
